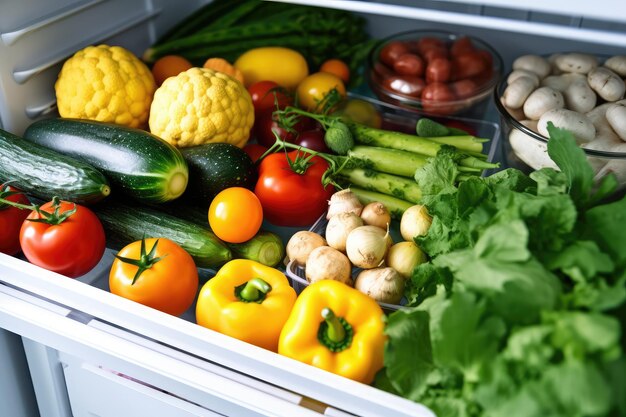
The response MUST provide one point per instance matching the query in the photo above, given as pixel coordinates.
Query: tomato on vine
(63, 237)
(11, 219)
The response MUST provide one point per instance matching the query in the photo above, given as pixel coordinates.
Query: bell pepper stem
(335, 330)
(255, 289)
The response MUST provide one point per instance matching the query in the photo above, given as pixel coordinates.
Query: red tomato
(254, 150)
(313, 139)
(438, 70)
(264, 95)
(410, 86)
(409, 64)
(434, 53)
(267, 123)
(426, 43)
(72, 247)
(435, 96)
(382, 70)
(11, 219)
(462, 45)
(464, 88)
(291, 198)
(467, 65)
(392, 51)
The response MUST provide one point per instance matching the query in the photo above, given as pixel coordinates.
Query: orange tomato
(337, 67)
(169, 66)
(235, 215)
(170, 284)
(312, 90)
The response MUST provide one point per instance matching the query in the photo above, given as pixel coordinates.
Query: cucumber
(265, 247)
(44, 173)
(126, 222)
(214, 167)
(138, 163)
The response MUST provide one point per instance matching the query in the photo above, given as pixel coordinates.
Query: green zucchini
(265, 247)
(125, 223)
(138, 163)
(44, 173)
(214, 167)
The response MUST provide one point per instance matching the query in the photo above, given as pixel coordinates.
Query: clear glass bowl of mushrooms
(576, 91)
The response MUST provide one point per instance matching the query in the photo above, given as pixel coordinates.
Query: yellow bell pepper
(336, 328)
(248, 301)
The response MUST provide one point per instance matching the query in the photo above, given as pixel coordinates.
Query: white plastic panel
(118, 395)
(598, 9)
(100, 349)
(37, 36)
(478, 20)
(335, 391)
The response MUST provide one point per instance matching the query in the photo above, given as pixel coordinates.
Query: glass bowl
(465, 93)
(526, 150)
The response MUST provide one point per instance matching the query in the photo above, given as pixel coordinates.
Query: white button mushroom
(581, 127)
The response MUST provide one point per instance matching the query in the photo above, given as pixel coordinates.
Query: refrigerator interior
(89, 352)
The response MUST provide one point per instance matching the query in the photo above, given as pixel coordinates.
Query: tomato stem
(54, 218)
(145, 261)
(5, 193)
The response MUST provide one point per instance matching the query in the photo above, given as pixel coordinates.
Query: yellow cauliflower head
(201, 106)
(105, 83)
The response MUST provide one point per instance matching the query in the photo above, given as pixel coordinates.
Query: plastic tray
(296, 273)
(401, 119)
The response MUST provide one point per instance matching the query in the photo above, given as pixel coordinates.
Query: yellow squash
(248, 301)
(202, 106)
(336, 328)
(284, 66)
(107, 84)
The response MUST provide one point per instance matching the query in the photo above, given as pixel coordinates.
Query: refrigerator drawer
(95, 391)
(71, 355)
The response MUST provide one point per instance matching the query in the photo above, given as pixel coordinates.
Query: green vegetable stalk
(403, 188)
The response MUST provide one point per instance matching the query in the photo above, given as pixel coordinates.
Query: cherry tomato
(291, 198)
(267, 123)
(409, 64)
(464, 88)
(336, 67)
(235, 214)
(391, 51)
(313, 139)
(434, 53)
(382, 70)
(11, 219)
(462, 45)
(410, 86)
(71, 248)
(312, 90)
(170, 284)
(426, 43)
(435, 96)
(254, 150)
(438, 70)
(467, 65)
(265, 95)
